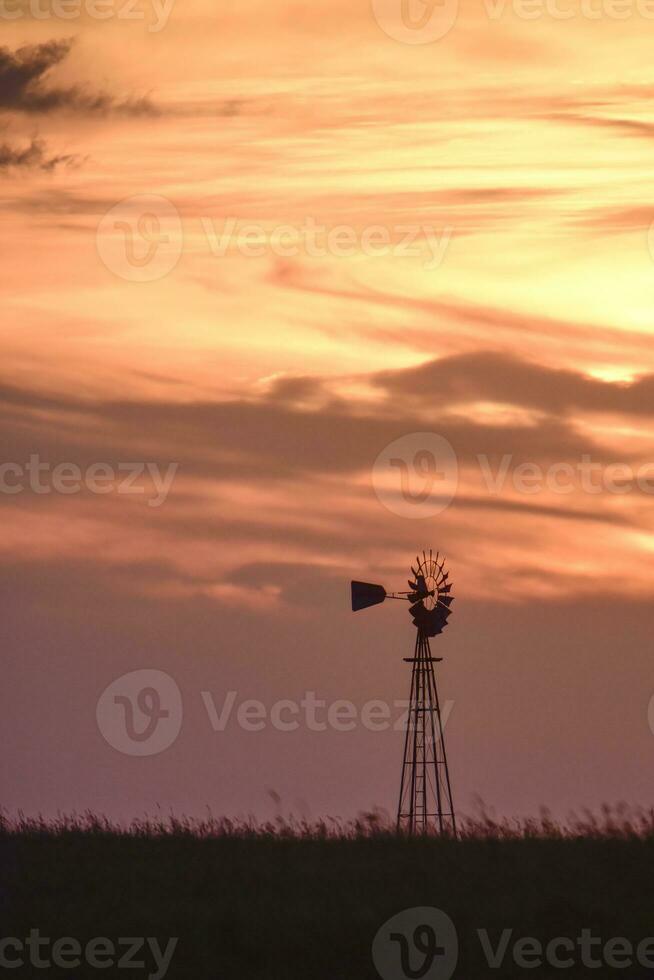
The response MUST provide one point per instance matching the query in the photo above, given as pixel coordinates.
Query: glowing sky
(276, 356)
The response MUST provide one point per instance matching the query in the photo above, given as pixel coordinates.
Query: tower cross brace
(425, 804)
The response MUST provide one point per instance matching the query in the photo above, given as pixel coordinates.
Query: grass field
(284, 901)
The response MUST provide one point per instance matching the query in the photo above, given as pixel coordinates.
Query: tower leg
(425, 804)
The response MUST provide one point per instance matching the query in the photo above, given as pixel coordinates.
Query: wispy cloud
(34, 156)
(24, 85)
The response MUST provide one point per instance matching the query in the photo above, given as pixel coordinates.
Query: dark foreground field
(296, 902)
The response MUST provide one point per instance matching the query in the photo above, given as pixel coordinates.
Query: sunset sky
(517, 155)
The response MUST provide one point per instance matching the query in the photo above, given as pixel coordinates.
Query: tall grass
(621, 822)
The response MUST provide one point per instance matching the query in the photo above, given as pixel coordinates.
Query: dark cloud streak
(501, 378)
(32, 157)
(22, 89)
(300, 429)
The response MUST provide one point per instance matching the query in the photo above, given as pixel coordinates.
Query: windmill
(425, 803)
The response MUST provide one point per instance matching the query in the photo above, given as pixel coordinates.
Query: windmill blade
(429, 621)
(413, 586)
(365, 594)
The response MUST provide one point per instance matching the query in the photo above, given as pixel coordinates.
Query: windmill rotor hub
(431, 598)
(430, 594)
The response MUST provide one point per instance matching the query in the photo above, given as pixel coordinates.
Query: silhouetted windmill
(425, 792)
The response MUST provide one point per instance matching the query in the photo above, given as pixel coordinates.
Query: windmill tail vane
(425, 802)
